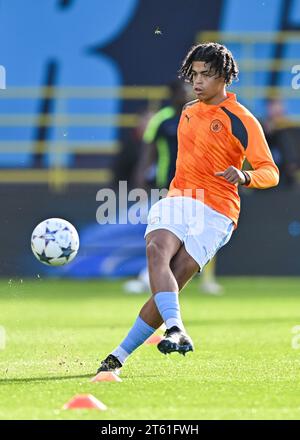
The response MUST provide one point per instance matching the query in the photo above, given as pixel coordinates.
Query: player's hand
(232, 175)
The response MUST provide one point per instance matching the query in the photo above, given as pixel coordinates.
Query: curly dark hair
(218, 56)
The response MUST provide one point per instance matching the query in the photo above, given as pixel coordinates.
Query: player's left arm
(265, 173)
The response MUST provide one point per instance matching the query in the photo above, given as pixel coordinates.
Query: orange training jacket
(210, 139)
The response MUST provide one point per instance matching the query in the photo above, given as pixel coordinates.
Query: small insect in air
(157, 31)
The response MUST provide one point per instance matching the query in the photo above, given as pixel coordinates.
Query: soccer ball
(55, 242)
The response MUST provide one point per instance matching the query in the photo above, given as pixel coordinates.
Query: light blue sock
(136, 336)
(168, 306)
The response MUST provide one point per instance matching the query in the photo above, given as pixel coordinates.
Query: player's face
(206, 84)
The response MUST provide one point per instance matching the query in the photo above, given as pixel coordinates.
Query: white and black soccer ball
(55, 242)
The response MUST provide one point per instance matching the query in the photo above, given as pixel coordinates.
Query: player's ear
(223, 80)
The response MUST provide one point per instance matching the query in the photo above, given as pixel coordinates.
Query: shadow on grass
(42, 379)
(25, 380)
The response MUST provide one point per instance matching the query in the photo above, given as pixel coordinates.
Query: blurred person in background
(284, 141)
(156, 169)
(130, 150)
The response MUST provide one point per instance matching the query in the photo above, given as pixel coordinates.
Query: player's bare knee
(156, 253)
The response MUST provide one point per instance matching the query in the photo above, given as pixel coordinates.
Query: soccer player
(215, 135)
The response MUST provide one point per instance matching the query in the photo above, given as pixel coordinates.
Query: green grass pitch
(243, 367)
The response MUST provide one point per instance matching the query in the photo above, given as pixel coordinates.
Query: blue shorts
(201, 229)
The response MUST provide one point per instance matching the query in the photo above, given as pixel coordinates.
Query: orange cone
(85, 401)
(154, 339)
(106, 376)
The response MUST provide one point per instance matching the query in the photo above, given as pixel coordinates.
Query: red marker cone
(106, 376)
(85, 401)
(154, 339)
